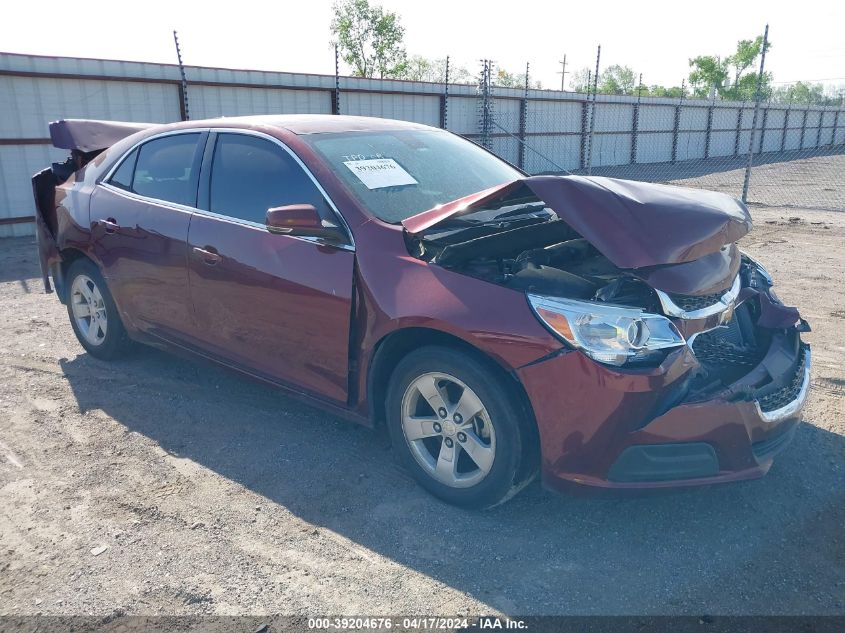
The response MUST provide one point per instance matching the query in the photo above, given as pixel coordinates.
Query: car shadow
(728, 549)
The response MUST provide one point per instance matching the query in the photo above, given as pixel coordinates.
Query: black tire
(115, 342)
(502, 480)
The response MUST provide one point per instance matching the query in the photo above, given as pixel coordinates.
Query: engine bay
(541, 255)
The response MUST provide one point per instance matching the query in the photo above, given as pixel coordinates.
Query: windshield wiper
(530, 210)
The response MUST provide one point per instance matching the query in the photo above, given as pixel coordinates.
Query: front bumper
(637, 428)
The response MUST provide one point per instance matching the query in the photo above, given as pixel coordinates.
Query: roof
(89, 135)
(319, 123)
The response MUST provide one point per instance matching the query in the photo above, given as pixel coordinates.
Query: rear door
(140, 216)
(277, 305)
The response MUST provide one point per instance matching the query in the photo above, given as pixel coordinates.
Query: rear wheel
(93, 314)
(456, 427)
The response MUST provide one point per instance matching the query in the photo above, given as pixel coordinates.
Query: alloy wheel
(448, 430)
(89, 310)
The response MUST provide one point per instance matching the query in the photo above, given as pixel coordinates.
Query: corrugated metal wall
(35, 90)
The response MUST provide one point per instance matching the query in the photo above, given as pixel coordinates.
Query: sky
(656, 38)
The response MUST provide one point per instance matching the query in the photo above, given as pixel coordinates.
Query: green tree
(743, 59)
(732, 78)
(509, 80)
(708, 73)
(581, 80)
(617, 80)
(655, 90)
(421, 68)
(369, 39)
(803, 93)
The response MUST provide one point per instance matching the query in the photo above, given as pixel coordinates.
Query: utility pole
(562, 73)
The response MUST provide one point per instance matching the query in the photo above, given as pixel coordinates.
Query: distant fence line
(557, 127)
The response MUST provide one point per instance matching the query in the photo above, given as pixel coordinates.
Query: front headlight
(608, 334)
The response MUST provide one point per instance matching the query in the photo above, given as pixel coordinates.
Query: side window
(250, 175)
(123, 176)
(165, 169)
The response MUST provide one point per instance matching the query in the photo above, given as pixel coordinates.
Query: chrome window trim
(103, 182)
(225, 218)
(263, 228)
(670, 308)
(119, 161)
(791, 408)
(139, 198)
(292, 154)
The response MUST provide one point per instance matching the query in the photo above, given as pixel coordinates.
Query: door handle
(110, 225)
(208, 255)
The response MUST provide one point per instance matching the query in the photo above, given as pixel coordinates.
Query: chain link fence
(794, 144)
(772, 154)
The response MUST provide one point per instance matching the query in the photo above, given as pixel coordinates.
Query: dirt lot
(800, 179)
(211, 494)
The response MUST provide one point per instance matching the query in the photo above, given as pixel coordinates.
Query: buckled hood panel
(633, 224)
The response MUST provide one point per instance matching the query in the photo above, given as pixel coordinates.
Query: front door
(277, 305)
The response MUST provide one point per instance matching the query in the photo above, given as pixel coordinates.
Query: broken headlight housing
(609, 334)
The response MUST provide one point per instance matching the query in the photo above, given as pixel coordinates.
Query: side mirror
(301, 220)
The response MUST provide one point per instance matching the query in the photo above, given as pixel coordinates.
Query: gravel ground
(800, 179)
(157, 485)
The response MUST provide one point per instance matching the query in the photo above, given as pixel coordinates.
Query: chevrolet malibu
(599, 332)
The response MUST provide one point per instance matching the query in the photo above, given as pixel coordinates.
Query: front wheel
(456, 426)
(93, 314)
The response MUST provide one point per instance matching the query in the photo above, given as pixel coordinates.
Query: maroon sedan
(599, 331)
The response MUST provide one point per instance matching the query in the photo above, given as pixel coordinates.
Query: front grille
(717, 348)
(789, 392)
(688, 303)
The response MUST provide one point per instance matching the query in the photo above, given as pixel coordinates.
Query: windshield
(404, 172)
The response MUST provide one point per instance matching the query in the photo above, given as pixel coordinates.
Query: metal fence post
(819, 131)
(803, 127)
(444, 99)
(835, 126)
(747, 180)
(336, 91)
(183, 87)
(763, 129)
(584, 123)
(485, 120)
(739, 114)
(523, 117)
(709, 131)
(785, 126)
(676, 125)
(593, 114)
(635, 124)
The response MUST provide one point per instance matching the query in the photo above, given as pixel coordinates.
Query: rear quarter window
(122, 178)
(165, 169)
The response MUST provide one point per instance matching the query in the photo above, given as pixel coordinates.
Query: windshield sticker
(377, 173)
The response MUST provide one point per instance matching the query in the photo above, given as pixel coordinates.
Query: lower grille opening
(787, 393)
(728, 353)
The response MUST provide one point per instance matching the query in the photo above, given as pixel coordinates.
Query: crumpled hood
(633, 224)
